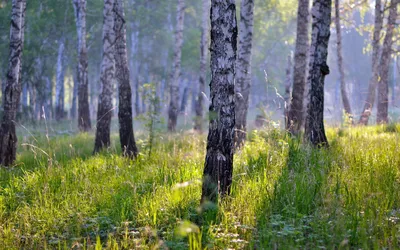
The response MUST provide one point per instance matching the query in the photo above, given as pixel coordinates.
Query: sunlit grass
(284, 195)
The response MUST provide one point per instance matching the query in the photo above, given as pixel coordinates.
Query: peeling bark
(104, 111)
(314, 129)
(217, 176)
(243, 70)
(296, 111)
(122, 75)
(176, 69)
(12, 91)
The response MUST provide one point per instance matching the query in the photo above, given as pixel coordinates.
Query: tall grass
(284, 195)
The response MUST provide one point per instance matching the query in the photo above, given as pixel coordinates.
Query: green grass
(284, 195)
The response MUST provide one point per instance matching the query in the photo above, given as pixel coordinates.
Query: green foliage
(284, 195)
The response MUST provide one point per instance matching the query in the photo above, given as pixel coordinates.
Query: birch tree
(104, 111)
(384, 64)
(12, 91)
(84, 123)
(314, 129)
(176, 68)
(60, 82)
(343, 91)
(217, 176)
(376, 50)
(296, 113)
(122, 75)
(243, 69)
(204, 43)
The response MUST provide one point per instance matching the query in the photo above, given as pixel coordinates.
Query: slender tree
(104, 111)
(287, 88)
(122, 75)
(296, 113)
(176, 68)
(84, 123)
(243, 69)
(60, 82)
(203, 62)
(376, 50)
(12, 91)
(314, 129)
(384, 64)
(217, 176)
(345, 99)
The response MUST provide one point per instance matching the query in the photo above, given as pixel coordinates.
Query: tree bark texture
(384, 64)
(343, 91)
(314, 129)
(204, 43)
(104, 111)
(60, 82)
(12, 91)
(217, 176)
(84, 122)
(296, 113)
(122, 75)
(376, 50)
(176, 69)
(243, 70)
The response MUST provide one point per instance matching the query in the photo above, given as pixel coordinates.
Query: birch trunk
(345, 99)
(176, 69)
(74, 96)
(314, 129)
(384, 64)
(12, 91)
(203, 64)
(60, 83)
(243, 70)
(296, 111)
(122, 75)
(376, 50)
(84, 123)
(217, 176)
(105, 107)
(287, 88)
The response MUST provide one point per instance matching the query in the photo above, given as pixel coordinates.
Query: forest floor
(284, 195)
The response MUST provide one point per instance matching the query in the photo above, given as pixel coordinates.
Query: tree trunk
(176, 69)
(383, 83)
(84, 123)
(288, 84)
(296, 113)
(74, 96)
(345, 99)
(243, 69)
(314, 129)
(122, 74)
(105, 107)
(370, 100)
(217, 176)
(8, 137)
(60, 83)
(203, 64)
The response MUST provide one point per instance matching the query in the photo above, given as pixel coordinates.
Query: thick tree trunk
(370, 100)
(217, 176)
(288, 84)
(296, 113)
(314, 129)
(176, 69)
(105, 107)
(243, 70)
(383, 83)
(84, 123)
(122, 74)
(345, 99)
(60, 83)
(204, 43)
(8, 137)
